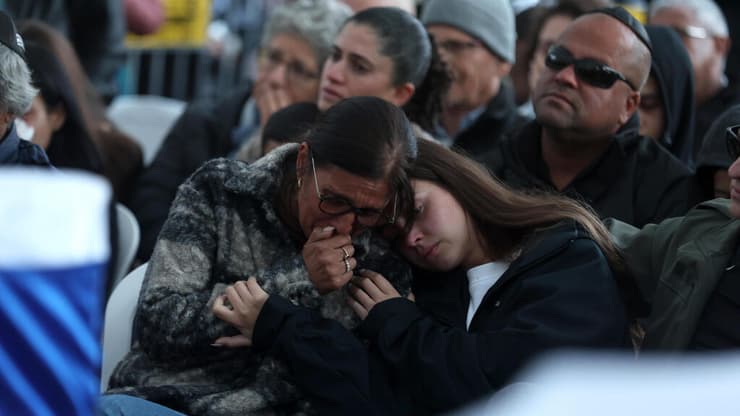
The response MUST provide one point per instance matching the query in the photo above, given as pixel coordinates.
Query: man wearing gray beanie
(476, 39)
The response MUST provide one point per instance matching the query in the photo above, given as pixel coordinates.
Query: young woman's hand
(329, 259)
(369, 289)
(246, 300)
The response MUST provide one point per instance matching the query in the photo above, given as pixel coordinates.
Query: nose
(734, 170)
(333, 71)
(276, 76)
(567, 76)
(346, 224)
(444, 54)
(413, 237)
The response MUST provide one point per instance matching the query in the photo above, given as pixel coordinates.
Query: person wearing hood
(713, 160)
(667, 99)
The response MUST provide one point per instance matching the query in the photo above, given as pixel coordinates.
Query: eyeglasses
(689, 31)
(732, 141)
(295, 71)
(456, 47)
(335, 206)
(588, 70)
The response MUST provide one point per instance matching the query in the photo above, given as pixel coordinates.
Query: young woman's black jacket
(559, 293)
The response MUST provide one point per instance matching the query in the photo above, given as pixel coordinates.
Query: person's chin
(323, 104)
(550, 117)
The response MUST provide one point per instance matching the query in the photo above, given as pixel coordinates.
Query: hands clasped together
(330, 263)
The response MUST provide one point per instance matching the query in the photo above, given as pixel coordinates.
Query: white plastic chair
(119, 321)
(146, 118)
(128, 242)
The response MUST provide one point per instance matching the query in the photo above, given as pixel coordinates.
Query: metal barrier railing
(181, 73)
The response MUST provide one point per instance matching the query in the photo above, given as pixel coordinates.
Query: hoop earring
(300, 182)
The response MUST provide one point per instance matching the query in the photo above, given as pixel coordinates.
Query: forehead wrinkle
(598, 37)
(330, 188)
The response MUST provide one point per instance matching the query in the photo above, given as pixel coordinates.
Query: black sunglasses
(588, 70)
(732, 141)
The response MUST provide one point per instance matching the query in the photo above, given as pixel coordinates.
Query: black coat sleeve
(569, 300)
(328, 363)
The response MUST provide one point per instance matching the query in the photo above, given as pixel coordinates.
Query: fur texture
(222, 228)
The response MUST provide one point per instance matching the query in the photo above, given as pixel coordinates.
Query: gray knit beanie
(490, 21)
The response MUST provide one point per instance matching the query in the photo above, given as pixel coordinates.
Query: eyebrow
(361, 59)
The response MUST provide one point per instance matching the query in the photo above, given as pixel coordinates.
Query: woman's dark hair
(368, 137)
(72, 145)
(505, 218)
(415, 59)
(121, 156)
(289, 123)
(713, 155)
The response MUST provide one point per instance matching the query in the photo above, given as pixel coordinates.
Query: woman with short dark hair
(232, 220)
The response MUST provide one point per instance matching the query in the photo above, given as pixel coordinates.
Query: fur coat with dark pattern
(222, 228)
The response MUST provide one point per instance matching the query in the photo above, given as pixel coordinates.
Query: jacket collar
(262, 177)
(497, 117)
(540, 246)
(598, 177)
(503, 105)
(717, 242)
(9, 145)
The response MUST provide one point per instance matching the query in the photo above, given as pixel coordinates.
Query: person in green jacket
(687, 270)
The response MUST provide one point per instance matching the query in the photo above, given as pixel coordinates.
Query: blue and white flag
(54, 251)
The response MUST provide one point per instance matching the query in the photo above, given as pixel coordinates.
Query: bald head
(620, 42)
(359, 5)
(574, 103)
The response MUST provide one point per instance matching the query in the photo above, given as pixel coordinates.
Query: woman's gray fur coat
(222, 228)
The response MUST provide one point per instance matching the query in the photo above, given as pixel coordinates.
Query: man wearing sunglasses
(585, 140)
(688, 269)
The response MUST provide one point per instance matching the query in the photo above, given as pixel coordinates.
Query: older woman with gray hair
(16, 95)
(297, 40)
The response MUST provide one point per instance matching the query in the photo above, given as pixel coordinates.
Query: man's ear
(722, 45)
(503, 69)
(57, 117)
(630, 106)
(403, 94)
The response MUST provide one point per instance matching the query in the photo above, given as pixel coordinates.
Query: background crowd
(380, 206)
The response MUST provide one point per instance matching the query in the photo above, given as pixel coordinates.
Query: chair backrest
(147, 119)
(128, 242)
(119, 321)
